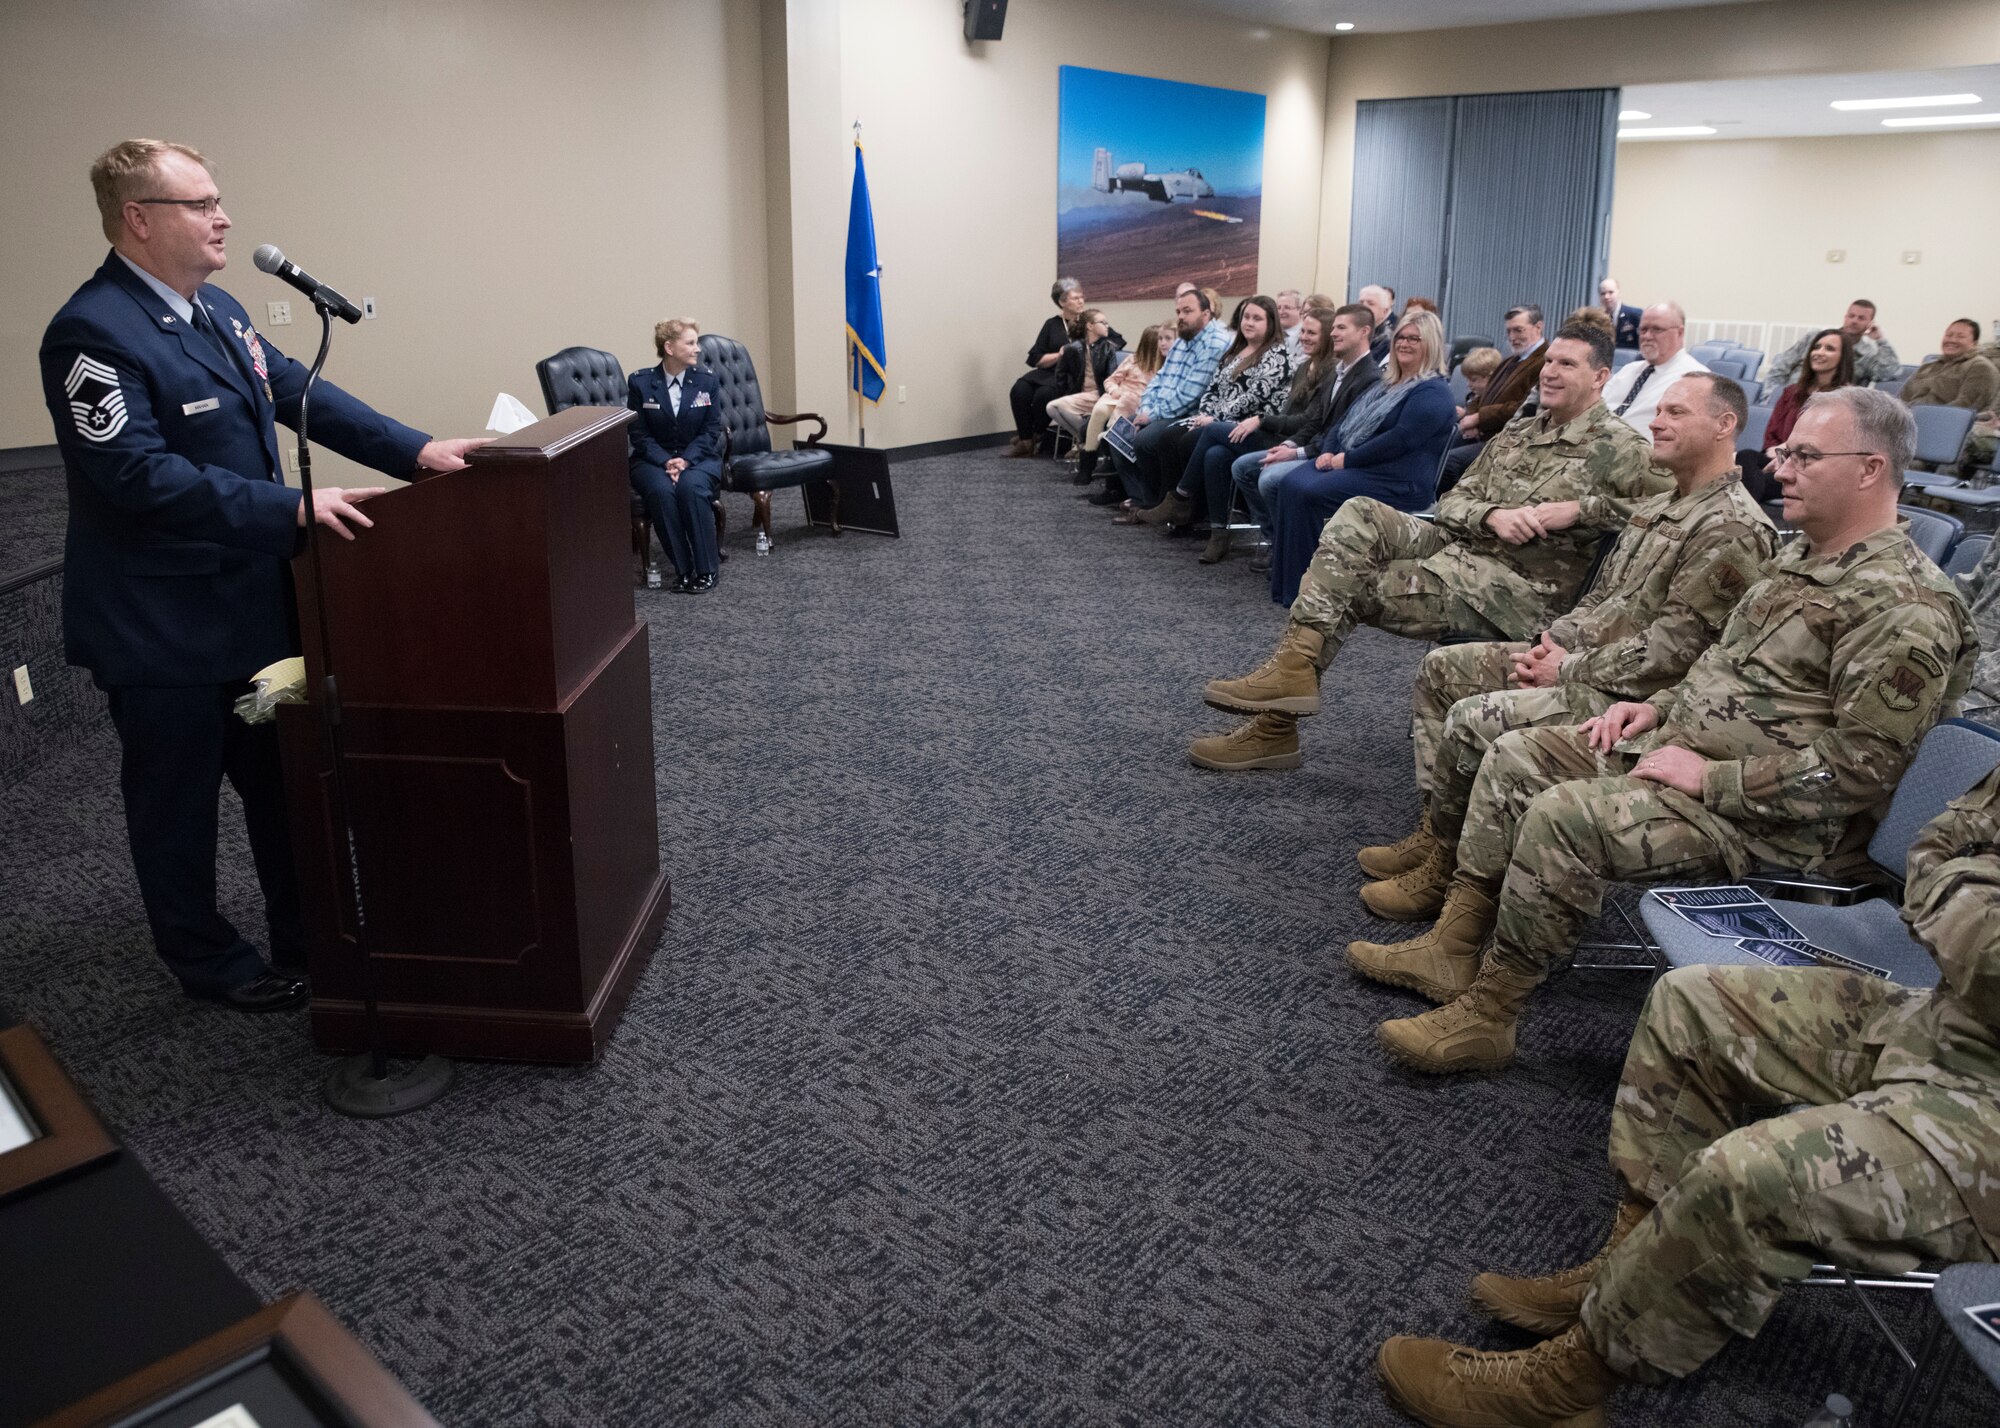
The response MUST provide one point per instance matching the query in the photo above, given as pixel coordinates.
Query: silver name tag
(206, 405)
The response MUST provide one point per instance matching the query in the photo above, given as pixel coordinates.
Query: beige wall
(961, 152)
(505, 177)
(1780, 36)
(1873, 197)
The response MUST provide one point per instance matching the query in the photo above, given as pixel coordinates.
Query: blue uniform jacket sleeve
(1420, 422)
(131, 467)
(646, 452)
(706, 445)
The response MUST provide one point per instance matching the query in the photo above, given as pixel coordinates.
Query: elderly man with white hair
(1634, 391)
(1380, 299)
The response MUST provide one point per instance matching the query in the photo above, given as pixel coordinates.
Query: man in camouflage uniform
(1492, 565)
(1874, 359)
(1660, 600)
(1894, 1161)
(1981, 590)
(1781, 746)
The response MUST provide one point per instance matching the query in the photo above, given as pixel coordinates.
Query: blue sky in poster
(1162, 123)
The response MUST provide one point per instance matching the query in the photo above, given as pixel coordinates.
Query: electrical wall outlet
(1836, 255)
(278, 314)
(24, 688)
(902, 393)
(368, 307)
(290, 454)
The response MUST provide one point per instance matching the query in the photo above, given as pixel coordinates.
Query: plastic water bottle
(652, 577)
(763, 543)
(1838, 1413)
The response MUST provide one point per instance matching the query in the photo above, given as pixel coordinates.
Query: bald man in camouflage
(1687, 557)
(1895, 1159)
(1511, 545)
(1782, 746)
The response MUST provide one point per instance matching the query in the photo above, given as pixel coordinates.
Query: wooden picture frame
(70, 1135)
(334, 1376)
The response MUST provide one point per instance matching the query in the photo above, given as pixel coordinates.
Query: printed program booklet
(1118, 436)
(1738, 914)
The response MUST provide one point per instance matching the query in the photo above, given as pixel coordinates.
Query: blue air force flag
(867, 348)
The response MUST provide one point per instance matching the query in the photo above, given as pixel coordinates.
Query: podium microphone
(268, 259)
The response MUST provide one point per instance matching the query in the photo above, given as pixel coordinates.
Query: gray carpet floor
(996, 1066)
(34, 504)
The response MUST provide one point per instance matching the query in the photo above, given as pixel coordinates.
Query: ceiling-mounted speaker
(985, 19)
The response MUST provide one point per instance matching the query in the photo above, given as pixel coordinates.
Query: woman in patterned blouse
(1254, 379)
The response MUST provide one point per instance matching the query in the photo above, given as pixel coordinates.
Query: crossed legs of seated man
(1718, 1215)
(1551, 821)
(1461, 704)
(1367, 570)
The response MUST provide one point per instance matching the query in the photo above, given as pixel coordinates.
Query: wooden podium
(498, 723)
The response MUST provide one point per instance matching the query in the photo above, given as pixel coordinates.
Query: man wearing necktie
(1634, 391)
(676, 452)
(175, 587)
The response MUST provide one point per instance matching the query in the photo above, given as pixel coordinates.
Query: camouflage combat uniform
(1829, 671)
(1895, 1161)
(1378, 566)
(1660, 600)
(1982, 592)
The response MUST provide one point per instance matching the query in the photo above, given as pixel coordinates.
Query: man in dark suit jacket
(175, 587)
(1355, 371)
(1624, 317)
(1513, 380)
(676, 460)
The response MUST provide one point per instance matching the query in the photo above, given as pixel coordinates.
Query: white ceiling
(1798, 105)
(1382, 16)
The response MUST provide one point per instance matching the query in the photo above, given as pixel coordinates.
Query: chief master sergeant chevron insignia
(95, 399)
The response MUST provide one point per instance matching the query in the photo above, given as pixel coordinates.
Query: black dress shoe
(678, 585)
(1107, 497)
(268, 991)
(702, 584)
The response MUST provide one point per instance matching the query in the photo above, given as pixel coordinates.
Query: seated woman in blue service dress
(677, 452)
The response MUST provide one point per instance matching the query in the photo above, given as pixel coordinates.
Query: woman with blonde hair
(675, 460)
(1388, 447)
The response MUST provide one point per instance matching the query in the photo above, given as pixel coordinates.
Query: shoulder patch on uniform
(1927, 662)
(1727, 581)
(96, 401)
(1901, 689)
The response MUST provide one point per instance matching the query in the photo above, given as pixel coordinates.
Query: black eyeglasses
(1806, 457)
(206, 207)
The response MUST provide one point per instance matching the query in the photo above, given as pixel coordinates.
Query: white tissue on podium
(509, 416)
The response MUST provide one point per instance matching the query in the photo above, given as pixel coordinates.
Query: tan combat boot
(1418, 894)
(1474, 1033)
(1560, 1383)
(1269, 741)
(1551, 1303)
(1388, 860)
(1443, 962)
(1286, 683)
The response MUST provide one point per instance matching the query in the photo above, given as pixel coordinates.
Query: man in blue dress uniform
(175, 584)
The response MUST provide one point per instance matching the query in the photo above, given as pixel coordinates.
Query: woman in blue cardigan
(1387, 446)
(676, 459)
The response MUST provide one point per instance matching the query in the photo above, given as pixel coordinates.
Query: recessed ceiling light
(1941, 119)
(1917, 101)
(1345, 25)
(1625, 115)
(1682, 131)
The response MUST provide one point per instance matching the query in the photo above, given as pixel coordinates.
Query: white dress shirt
(1639, 415)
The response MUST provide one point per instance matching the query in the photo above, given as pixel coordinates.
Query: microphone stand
(364, 1084)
